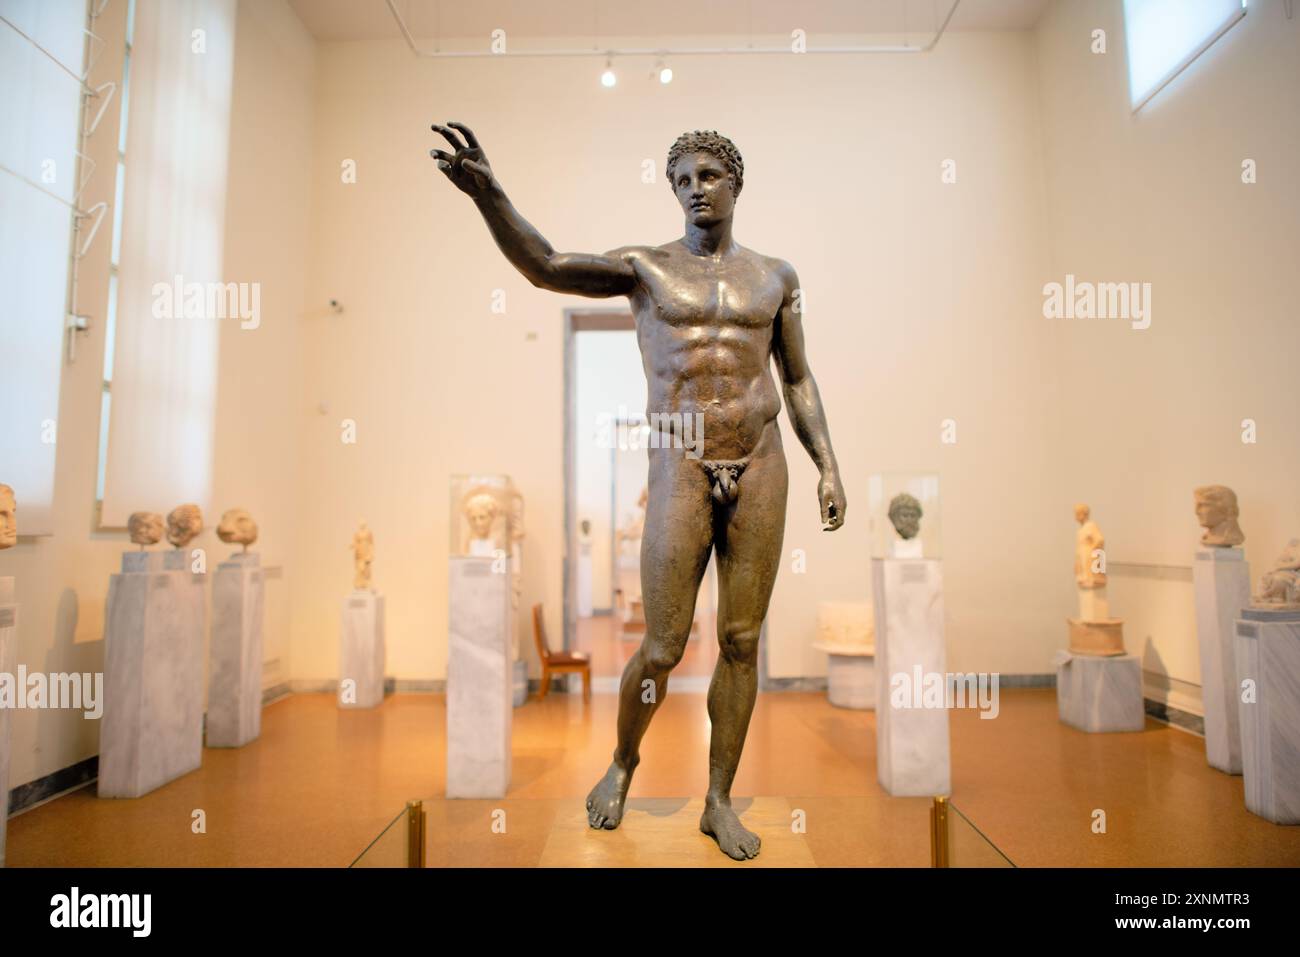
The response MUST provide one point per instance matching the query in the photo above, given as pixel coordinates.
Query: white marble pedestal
(235, 679)
(1221, 582)
(1268, 653)
(8, 659)
(151, 731)
(1100, 694)
(850, 675)
(362, 651)
(479, 679)
(912, 755)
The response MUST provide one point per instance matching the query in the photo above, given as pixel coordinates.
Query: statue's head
(481, 510)
(1081, 513)
(706, 173)
(145, 528)
(237, 528)
(184, 523)
(8, 517)
(905, 515)
(1215, 504)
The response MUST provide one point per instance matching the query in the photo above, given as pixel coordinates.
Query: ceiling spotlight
(664, 72)
(608, 78)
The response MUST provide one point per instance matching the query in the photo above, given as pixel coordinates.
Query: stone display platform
(235, 680)
(1268, 653)
(912, 745)
(1221, 583)
(362, 651)
(1100, 694)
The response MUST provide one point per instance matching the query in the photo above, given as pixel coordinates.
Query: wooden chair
(558, 662)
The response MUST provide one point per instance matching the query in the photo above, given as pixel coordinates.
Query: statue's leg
(748, 541)
(675, 546)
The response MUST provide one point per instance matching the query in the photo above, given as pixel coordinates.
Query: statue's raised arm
(526, 248)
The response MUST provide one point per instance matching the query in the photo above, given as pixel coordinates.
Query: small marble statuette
(363, 555)
(184, 523)
(8, 517)
(237, 528)
(905, 515)
(1216, 510)
(1280, 586)
(1089, 550)
(145, 528)
(1094, 631)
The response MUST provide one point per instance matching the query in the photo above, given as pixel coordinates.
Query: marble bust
(184, 523)
(8, 517)
(481, 509)
(145, 528)
(905, 515)
(237, 528)
(363, 555)
(1088, 542)
(1216, 510)
(1280, 586)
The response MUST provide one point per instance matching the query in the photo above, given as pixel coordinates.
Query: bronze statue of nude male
(710, 317)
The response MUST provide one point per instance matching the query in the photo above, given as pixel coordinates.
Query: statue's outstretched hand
(468, 166)
(830, 493)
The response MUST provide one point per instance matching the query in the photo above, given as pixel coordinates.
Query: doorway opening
(606, 466)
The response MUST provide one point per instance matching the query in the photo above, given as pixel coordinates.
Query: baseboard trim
(53, 785)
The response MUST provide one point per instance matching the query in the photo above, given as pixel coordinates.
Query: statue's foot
(605, 802)
(720, 822)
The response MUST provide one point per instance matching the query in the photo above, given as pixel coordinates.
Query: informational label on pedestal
(912, 749)
(362, 651)
(1268, 666)
(1221, 583)
(8, 655)
(235, 680)
(479, 677)
(151, 731)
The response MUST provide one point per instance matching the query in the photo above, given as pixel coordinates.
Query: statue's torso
(705, 328)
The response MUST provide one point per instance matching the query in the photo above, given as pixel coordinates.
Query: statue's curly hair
(713, 142)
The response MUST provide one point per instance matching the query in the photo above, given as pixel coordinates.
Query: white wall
(62, 580)
(923, 304)
(1145, 416)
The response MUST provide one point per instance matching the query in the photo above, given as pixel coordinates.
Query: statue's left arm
(803, 402)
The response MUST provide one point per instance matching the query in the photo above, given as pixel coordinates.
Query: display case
(905, 518)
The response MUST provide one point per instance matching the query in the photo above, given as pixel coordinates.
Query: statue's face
(1209, 512)
(8, 518)
(1081, 513)
(703, 187)
(145, 528)
(907, 521)
(481, 515)
(183, 524)
(237, 527)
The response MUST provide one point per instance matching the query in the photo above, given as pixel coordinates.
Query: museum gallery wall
(924, 304)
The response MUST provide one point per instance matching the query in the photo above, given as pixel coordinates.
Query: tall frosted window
(158, 445)
(1165, 36)
(41, 61)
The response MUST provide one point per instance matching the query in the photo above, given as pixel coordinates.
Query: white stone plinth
(1268, 654)
(362, 651)
(479, 678)
(1221, 582)
(235, 679)
(912, 755)
(151, 731)
(1098, 694)
(850, 675)
(8, 659)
